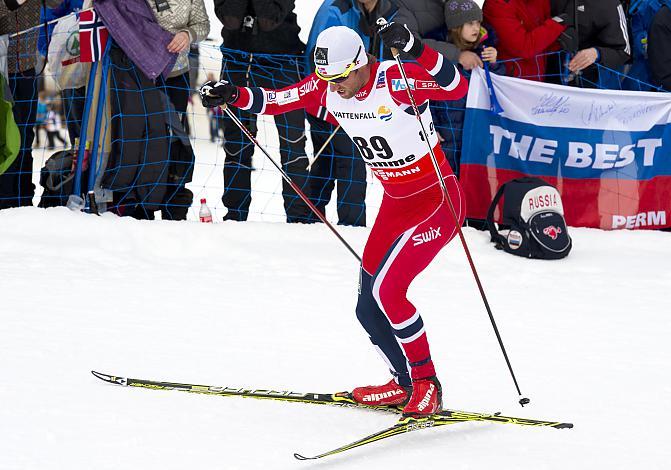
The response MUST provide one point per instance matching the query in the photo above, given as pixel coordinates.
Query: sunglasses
(341, 77)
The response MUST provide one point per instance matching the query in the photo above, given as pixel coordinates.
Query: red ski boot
(426, 399)
(389, 394)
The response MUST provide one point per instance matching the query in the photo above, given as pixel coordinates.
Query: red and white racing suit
(414, 222)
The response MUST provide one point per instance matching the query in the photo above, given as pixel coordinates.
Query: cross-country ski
(445, 222)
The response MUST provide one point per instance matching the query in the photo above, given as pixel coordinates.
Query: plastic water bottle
(204, 214)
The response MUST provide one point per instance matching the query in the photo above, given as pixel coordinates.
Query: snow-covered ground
(261, 304)
(266, 304)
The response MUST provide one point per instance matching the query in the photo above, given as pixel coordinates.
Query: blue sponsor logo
(398, 84)
(381, 79)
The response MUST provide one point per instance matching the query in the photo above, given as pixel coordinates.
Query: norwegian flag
(93, 36)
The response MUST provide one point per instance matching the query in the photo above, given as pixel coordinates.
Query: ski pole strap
(496, 237)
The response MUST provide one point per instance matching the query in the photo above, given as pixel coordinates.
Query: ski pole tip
(524, 401)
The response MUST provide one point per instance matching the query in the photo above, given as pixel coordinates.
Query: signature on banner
(597, 111)
(550, 103)
(630, 113)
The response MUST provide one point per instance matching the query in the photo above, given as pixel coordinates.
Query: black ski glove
(399, 37)
(214, 94)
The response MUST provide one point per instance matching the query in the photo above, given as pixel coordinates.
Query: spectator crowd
(148, 159)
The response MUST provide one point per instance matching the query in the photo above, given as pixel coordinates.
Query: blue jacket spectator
(353, 14)
(339, 160)
(649, 43)
(65, 8)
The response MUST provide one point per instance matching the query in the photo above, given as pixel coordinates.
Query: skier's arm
(308, 94)
(435, 78)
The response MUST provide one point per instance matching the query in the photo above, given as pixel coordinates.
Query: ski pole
(523, 401)
(330, 138)
(286, 177)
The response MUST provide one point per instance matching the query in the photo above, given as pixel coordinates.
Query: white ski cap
(337, 48)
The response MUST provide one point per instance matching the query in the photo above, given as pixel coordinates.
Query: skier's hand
(399, 37)
(214, 94)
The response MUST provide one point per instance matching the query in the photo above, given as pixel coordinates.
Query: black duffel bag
(533, 211)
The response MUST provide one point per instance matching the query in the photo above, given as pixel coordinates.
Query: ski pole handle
(382, 22)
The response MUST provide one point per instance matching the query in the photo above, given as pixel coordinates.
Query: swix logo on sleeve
(308, 87)
(429, 235)
(552, 231)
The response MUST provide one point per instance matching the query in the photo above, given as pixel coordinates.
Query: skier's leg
(413, 252)
(411, 255)
(379, 330)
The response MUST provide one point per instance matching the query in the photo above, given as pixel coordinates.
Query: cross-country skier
(370, 102)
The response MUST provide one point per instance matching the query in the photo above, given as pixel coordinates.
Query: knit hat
(458, 12)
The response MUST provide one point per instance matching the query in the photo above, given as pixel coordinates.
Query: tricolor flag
(608, 152)
(93, 36)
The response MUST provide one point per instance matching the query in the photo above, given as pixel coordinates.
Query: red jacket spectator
(524, 29)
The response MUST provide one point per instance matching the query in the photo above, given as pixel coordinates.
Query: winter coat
(134, 28)
(350, 13)
(601, 24)
(22, 48)
(10, 139)
(426, 18)
(525, 29)
(263, 26)
(659, 48)
(147, 139)
(183, 15)
(65, 8)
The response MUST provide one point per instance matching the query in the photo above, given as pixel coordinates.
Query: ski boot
(389, 394)
(426, 399)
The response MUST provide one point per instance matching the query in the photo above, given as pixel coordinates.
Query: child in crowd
(53, 126)
(41, 116)
(463, 19)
